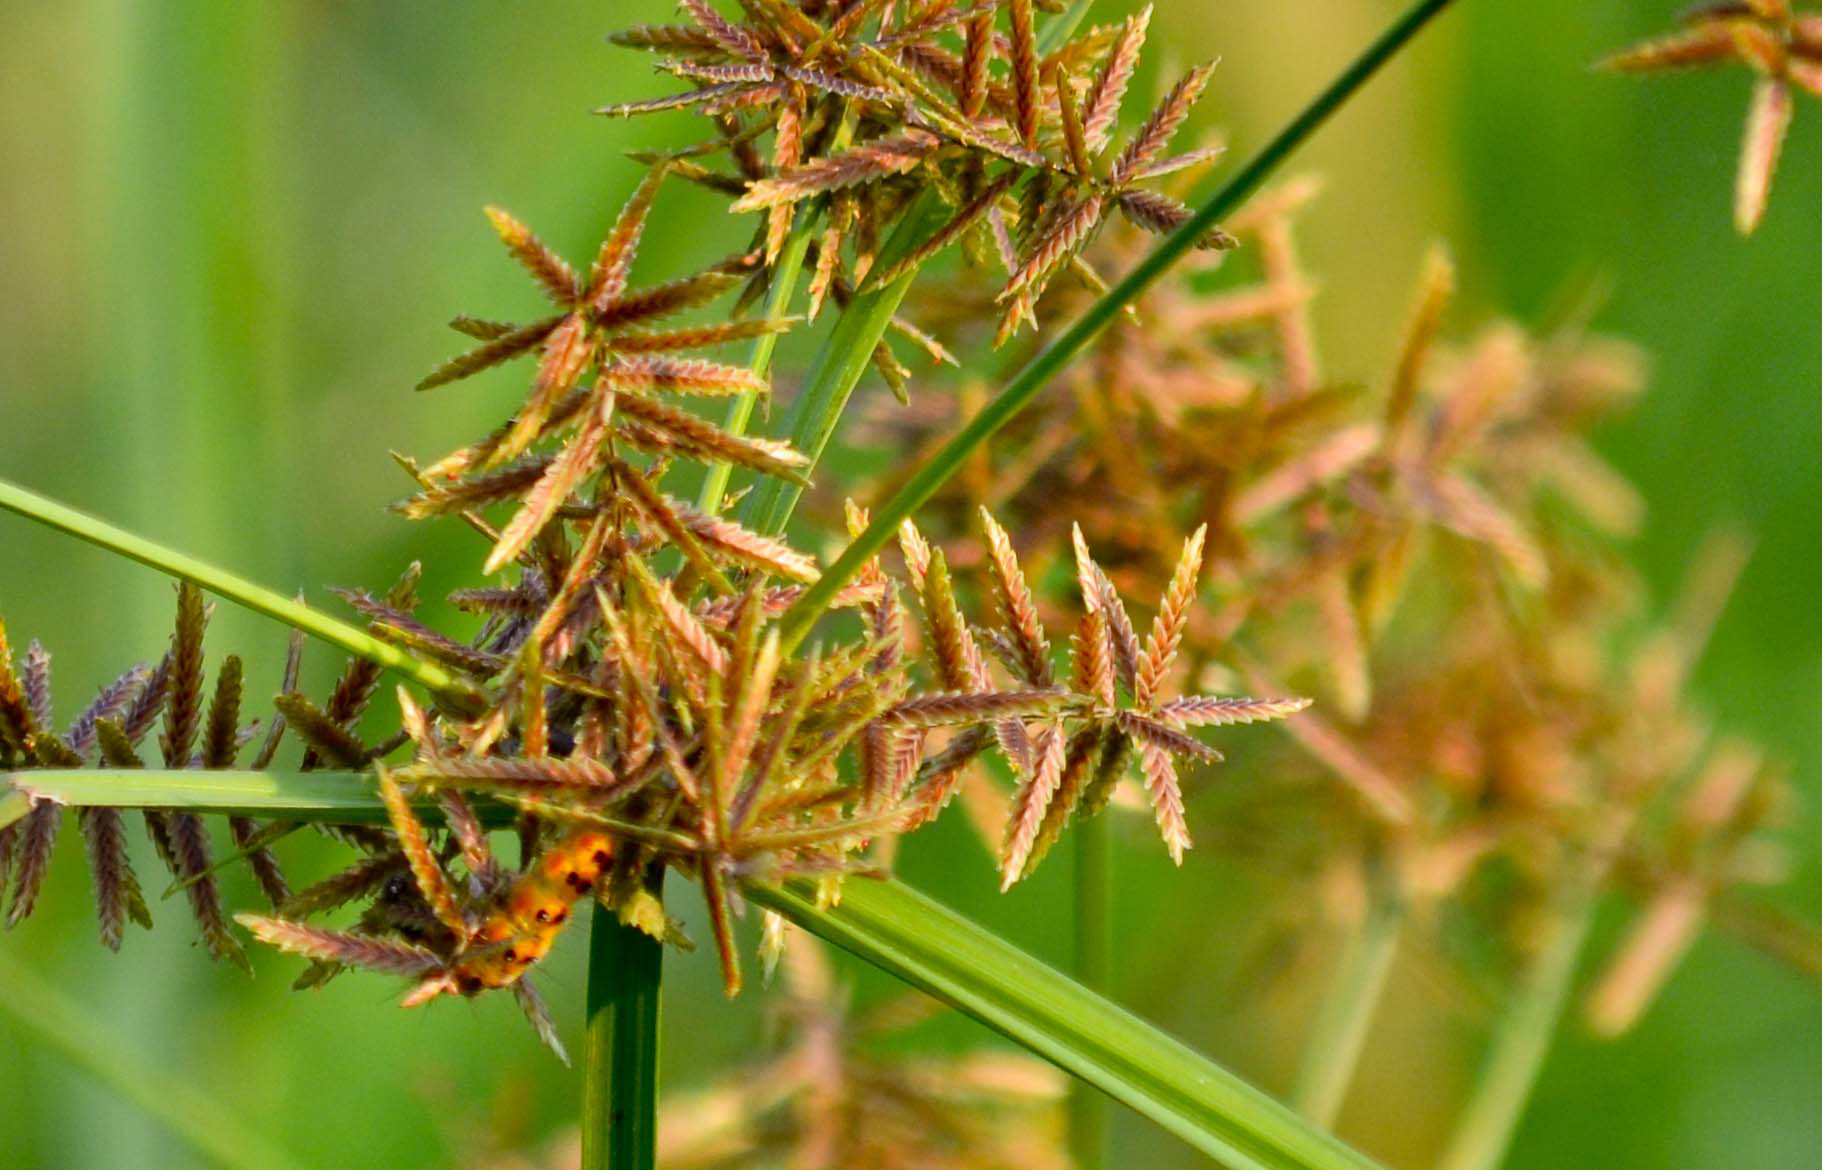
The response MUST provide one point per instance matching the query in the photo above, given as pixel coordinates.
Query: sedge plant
(1158, 524)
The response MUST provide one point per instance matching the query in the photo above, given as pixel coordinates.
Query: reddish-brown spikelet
(183, 711)
(1173, 614)
(1102, 109)
(1767, 126)
(1017, 606)
(545, 266)
(1032, 802)
(977, 55)
(1025, 72)
(334, 946)
(1166, 798)
(871, 160)
(614, 262)
(1158, 129)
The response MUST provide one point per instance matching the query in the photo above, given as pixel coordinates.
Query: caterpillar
(529, 915)
(486, 937)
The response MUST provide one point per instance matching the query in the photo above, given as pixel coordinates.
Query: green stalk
(916, 939)
(1508, 1074)
(1339, 1034)
(1050, 361)
(785, 275)
(1088, 1113)
(239, 590)
(185, 1111)
(620, 1057)
(838, 366)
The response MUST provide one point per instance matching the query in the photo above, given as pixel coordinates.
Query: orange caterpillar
(518, 932)
(487, 939)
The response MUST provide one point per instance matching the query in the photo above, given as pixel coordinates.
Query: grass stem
(1051, 360)
(222, 583)
(1521, 1039)
(1339, 1033)
(620, 1054)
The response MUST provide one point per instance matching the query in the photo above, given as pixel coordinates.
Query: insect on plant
(1051, 616)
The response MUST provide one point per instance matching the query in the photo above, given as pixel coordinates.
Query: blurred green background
(232, 233)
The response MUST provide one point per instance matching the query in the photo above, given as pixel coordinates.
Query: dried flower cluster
(1498, 718)
(1781, 45)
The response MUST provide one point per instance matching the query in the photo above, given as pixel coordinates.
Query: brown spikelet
(1031, 803)
(261, 860)
(744, 546)
(38, 836)
(1767, 126)
(1017, 606)
(221, 742)
(36, 682)
(696, 337)
(871, 160)
(1067, 236)
(1024, 61)
(1435, 290)
(977, 55)
(692, 434)
(951, 643)
(426, 870)
(568, 471)
(567, 353)
(327, 737)
(1163, 215)
(110, 871)
(1078, 767)
(503, 348)
(1145, 729)
(614, 262)
(189, 844)
(946, 708)
(149, 703)
(1208, 711)
(1166, 797)
(183, 711)
(334, 946)
(545, 266)
(1102, 107)
(1155, 134)
(111, 703)
(357, 881)
(722, 33)
(663, 300)
(664, 36)
(16, 722)
(1705, 44)
(1098, 594)
(1075, 140)
(1173, 614)
(504, 483)
(682, 376)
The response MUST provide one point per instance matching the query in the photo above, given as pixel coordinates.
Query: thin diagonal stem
(237, 589)
(1521, 1039)
(1050, 361)
(785, 275)
(1339, 1034)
